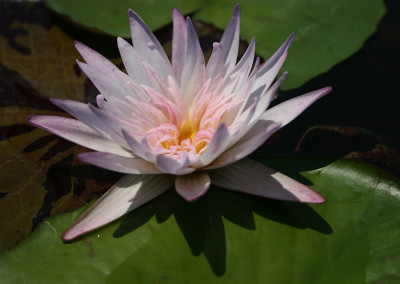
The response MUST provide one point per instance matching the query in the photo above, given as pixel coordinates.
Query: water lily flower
(182, 123)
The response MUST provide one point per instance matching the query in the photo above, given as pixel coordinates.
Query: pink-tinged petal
(289, 110)
(107, 85)
(251, 177)
(192, 186)
(141, 149)
(194, 71)
(216, 62)
(174, 166)
(245, 63)
(241, 125)
(125, 83)
(148, 46)
(230, 39)
(126, 165)
(250, 142)
(179, 43)
(235, 113)
(132, 62)
(113, 123)
(217, 145)
(267, 72)
(267, 97)
(113, 106)
(157, 82)
(276, 57)
(83, 113)
(127, 194)
(95, 59)
(255, 67)
(78, 132)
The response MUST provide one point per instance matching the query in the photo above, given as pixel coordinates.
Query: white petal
(245, 63)
(217, 145)
(107, 85)
(141, 149)
(174, 166)
(126, 195)
(255, 67)
(267, 72)
(114, 124)
(132, 62)
(113, 106)
(216, 62)
(83, 113)
(250, 142)
(179, 43)
(148, 46)
(241, 124)
(126, 165)
(266, 99)
(79, 133)
(95, 59)
(192, 186)
(230, 39)
(194, 71)
(254, 178)
(290, 109)
(157, 82)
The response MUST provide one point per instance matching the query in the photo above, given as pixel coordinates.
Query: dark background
(360, 118)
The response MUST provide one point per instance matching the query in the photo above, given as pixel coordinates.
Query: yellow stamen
(187, 130)
(166, 145)
(192, 136)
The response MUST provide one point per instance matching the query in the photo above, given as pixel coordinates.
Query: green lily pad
(327, 32)
(227, 237)
(16, 216)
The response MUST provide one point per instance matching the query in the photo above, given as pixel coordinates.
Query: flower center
(170, 140)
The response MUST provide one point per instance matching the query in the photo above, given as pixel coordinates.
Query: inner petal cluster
(186, 130)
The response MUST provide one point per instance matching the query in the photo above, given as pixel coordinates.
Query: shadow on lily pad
(201, 223)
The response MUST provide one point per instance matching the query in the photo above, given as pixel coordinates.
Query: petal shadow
(202, 225)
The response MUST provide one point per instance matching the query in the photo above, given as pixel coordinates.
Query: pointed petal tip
(56, 102)
(120, 42)
(314, 198)
(319, 200)
(327, 89)
(236, 12)
(82, 156)
(321, 92)
(126, 195)
(133, 16)
(217, 45)
(310, 197)
(290, 39)
(176, 12)
(35, 119)
(80, 64)
(74, 231)
(69, 235)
